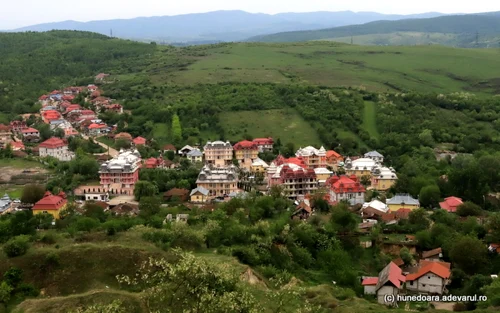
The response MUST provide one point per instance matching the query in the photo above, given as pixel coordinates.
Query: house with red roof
(153, 163)
(92, 88)
(56, 148)
(295, 160)
(451, 204)
(17, 126)
(333, 159)
(44, 99)
(297, 181)
(246, 152)
(124, 136)
(50, 115)
(433, 255)
(303, 210)
(87, 114)
(51, 204)
(68, 98)
(390, 282)
(369, 285)
(264, 144)
(431, 278)
(17, 146)
(346, 188)
(169, 147)
(115, 107)
(139, 141)
(5, 134)
(97, 129)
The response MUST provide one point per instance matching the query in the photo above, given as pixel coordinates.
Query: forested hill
(463, 27)
(32, 63)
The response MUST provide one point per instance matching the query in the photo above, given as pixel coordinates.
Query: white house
(431, 278)
(370, 285)
(375, 156)
(390, 282)
(56, 148)
(195, 155)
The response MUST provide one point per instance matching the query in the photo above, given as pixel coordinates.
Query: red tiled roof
(4, 128)
(17, 145)
(403, 213)
(44, 97)
(87, 112)
(344, 184)
(450, 204)
(288, 173)
(398, 261)
(263, 141)
(96, 126)
(123, 136)
(55, 92)
(152, 163)
(139, 141)
(169, 147)
(424, 263)
(430, 253)
(370, 281)
(391, 273)
(331, 153)
(432, 267)
(176, 192)
(50, 202)
(245, 145)
(52, 143)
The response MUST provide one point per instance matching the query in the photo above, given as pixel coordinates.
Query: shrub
(28, 290)
(52, 259)
(459, 307)
(16, 246)
(86, 224)
(13, 276)
(48, 238)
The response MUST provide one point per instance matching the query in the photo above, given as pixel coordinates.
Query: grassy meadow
(392, 68)
(370, 119)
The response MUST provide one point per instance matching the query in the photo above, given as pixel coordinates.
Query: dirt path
(447, 306)
(112, 152)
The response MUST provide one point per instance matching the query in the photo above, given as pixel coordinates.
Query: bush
(52, 259)
(28, 290)
(13, 276)
(16, 246)
(86, 224)
(459, 307)
(48, 238)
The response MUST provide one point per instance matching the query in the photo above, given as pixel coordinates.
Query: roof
(370, 281)
(263, 141)
(201, 190)
(377, 205)
(331, 153)
(30, 130)
(424, 263)
(123, 136)
(361, 164)
(402, 213)
(344, 184)
(391, 273)
(260, 162)
(403, 199)
(373, 154)
(139, 141)
(432, 267)
(4, 128)
(310, 150)
(430, 253)
(50, 202)
(177, 192)
(322, 170)
(52, 143)
(194, 153)
(450, 204)
(304, 205)
(245, 145)
(217, 144)
(169, 147)
(17, 144)
(97, 126)
(398, 261)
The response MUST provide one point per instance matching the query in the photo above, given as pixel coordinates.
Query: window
(423, 285)
(411, 283)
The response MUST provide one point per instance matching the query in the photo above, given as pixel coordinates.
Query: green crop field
(370, 119)
(419, 68)
(284, 124)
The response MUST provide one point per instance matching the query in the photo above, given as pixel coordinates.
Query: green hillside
(463, 27)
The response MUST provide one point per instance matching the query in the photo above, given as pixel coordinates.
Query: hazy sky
(19, 13)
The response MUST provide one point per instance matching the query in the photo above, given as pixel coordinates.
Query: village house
(389, 282)
(125, 209)
(17, 146)
(113, 107)
(195, 155)
(450, 204)
(375, 205)
(87, 114)
(51, 204)
(50, 115)
(359, 167)
(119, 175)
(296, 180)
(313, 158)
(177, 194)
(433, 255)
(334, 159)
(56, 148)
(264, 144)
(218, 153)
(220, 182)
(5, 203)
(185, 150)
(383, 178)
(259, 166)
(375, 156)
(153, 163)
(169, 147)
(369, 285)
(322, 174)
(44, 99)
(246, 152)
(402, 201)
(199, 195)
(139, 141)
(92, 88)
(97, 129)
(89, 193)
(123, 136)
(101, 77)
(17, 126)
(5, 135)
(66, 127)
(303, 210)
(30, 135)
(347, 189)
(431, 278)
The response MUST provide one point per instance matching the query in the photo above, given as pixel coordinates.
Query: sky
(18, 13)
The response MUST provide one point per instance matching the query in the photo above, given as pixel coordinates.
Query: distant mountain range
(469, 30)
(219, 25)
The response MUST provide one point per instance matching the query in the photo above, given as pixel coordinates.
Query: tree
(468, 209)
(426, 138)
(5, 292)
(149, 206)
(32, 193)
(493, 227)
(122, 144)
(170, 155)
(406, 256)
(59, 133)
(145, 189)
(13, 276)
(176, 128)
(190, 285)
(418, 219)
(94, 211)
(424, 239)
(469, 254)
(16, 246)
(365, 180)
(115, 307)
(86, 224)
(429, 196)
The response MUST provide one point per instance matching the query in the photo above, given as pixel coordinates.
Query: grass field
(18, 163)
(420, 68)
(370, 120)
(400, 39)
(285, 124)
(14, 192)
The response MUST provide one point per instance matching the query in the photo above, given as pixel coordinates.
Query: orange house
(333, 158)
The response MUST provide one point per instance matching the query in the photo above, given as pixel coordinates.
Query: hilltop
(455, 30)
(218, 26)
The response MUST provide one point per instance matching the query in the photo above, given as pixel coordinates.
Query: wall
(429, 283)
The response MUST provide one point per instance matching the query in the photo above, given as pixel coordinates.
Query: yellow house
(199, 195)
(383, 178)
(402, 201)
(51, 204)
(360, 167)
(322, 174)
(246, 152)
(259, 166)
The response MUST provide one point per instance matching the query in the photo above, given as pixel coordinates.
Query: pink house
(450, 204)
